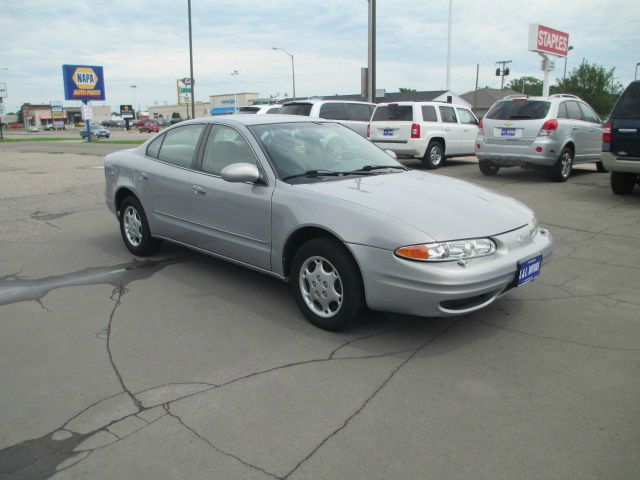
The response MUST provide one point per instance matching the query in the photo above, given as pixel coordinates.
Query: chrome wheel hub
(435, 156)
(321, 287)
(566, 164)
(132, 226)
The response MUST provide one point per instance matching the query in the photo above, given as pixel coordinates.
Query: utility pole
(475, 93)
(502, 72)
(235, 74)
(635, 77)
(371, 70)
(564, 75)
(448, 83)
(193, 90)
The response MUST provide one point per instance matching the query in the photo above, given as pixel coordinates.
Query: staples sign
(547, 40)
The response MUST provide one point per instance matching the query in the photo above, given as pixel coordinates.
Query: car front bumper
(440, 289)
(518, 154)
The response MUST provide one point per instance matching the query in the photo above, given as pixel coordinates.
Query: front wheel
(433, 156)
(488, 168)
(327, 284)
(561, 171)
(134, 228)
(622, 183)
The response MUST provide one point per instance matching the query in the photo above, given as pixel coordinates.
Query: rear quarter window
(519, 110)
(628, 105)
(303, 109)
(393, 113)
(154, 147)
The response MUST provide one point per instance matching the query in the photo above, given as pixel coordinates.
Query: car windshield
(323, 148)
(519, 110)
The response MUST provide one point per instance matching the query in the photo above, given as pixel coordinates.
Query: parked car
(139, 122)
(260, 109)
(621, 141)
(269, 194)
(149, 127)
(33, 129)
(97, 131)
(355, 115)
(430, 131)
(16, 125)
(556, 132)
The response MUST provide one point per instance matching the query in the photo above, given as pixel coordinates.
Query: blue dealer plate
(388, 131)
(508, 132)
(528, 270)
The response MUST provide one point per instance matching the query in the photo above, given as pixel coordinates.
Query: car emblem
(508, 124)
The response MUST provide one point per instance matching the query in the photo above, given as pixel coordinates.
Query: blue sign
(83, 82)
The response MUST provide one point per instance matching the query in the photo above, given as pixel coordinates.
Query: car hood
(442, 207)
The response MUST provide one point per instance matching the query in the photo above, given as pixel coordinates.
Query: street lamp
(235, 74)
(293, 70)
(635, 77)
(133, 93)
(564, 75)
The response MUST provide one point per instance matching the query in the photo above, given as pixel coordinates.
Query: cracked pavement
(183, 366)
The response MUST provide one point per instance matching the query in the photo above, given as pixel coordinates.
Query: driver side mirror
(240, 173)
(392, 154)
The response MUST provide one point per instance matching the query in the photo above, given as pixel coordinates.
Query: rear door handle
(575, 128)
(198, 190)
(144, 176)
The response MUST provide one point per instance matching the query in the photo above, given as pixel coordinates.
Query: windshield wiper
(367, 169)
(314, 173)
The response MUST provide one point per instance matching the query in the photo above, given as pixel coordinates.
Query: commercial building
(182, 111)
(423, 96)
(226, 103)
(40, 115)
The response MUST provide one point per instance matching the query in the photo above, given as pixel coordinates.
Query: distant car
(176, 120)
(355, 115)
(97, 131)
(149, 127)
(16, 125)
(556, 132)
(139, 122)
(33, 129)
(621, 141)
(260, 109)
(430, 131)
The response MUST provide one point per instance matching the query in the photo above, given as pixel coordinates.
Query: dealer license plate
(508, 132)
(529, 270)
(388, 131)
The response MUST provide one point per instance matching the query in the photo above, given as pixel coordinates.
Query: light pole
(448, 87)
(235, 74)
(193, 90)
(564, 75)
(1, 134)
(635, 77)
(133, 93)
(293, 70)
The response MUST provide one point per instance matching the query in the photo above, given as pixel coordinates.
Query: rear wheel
(327, 284)
(488, 168)
(600, 167)
(134, 228)
(561, 171)
(622, 183)
(434, 155)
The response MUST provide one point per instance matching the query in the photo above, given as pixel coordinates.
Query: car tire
(488, 168)
(600, 167)
(134, 228)
(561, 171)
(622, 183)
(327, 284)
(434, 155)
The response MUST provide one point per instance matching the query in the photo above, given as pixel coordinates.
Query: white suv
(352, 114)
(430, 131)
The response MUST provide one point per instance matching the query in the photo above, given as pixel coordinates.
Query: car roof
(435, 104)
(325, 100)
(252, 119)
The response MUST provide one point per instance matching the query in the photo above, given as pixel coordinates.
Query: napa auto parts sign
(547, 40)
(83, 82)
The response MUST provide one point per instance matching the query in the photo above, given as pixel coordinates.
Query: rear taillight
(549, 128)
(606, 132)
(415, 130)
(369, 131)
(480, 125)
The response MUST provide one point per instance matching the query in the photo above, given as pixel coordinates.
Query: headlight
(448, 251)
(533, 226)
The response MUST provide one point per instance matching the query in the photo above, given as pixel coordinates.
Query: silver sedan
(313, 203)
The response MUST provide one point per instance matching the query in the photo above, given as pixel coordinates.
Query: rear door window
(628, 105)
(429, 113)
(519, 110)
(393, 113)
(358, 112)
(303, 109)
(588, 114)
(448, 115)
(573, 111)
(333, 111)
(180, 145)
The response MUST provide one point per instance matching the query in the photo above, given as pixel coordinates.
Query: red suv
(149, 127)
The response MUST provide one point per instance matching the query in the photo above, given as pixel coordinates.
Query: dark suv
(621, 141)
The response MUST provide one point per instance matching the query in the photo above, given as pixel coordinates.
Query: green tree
(406, 90)
(592, 83)
(532, 85)
(175, 115)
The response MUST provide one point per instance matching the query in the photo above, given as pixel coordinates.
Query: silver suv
(352, 114)
(556, 132)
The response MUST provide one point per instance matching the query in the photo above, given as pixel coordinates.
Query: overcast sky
(145, 43)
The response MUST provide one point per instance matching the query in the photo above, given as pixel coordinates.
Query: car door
(452, 130)
(163, 180)
(579, 130)
(469, 124)
(231, 219)
(594, 132)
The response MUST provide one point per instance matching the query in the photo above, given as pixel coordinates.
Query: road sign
(87, 113)
(126, 111)
(3, 90)
(83, 82)
(1, 108)
(184, 89)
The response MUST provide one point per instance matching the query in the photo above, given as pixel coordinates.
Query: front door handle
(144, 176)
(198, 190)
(575, 128)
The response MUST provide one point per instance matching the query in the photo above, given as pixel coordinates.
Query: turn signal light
(606, 132)
(415, 130)
(414, 252)
(549, 128)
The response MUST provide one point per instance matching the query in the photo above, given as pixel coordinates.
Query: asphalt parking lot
(183, 366)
